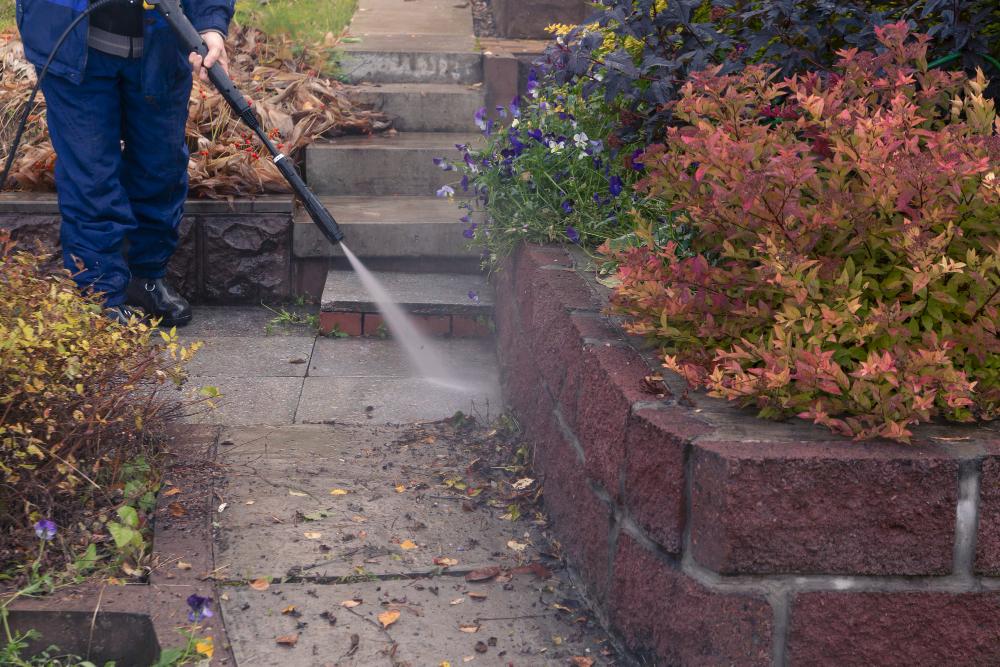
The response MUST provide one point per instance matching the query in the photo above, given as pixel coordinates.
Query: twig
(514, 618)
(93, 620)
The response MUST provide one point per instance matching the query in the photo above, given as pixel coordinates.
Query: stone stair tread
(472, 89)
(422, 293)
(412, 43)
(389, 209)
(399, 141)
(426, 17)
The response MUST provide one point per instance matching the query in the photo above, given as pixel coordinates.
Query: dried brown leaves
(295, 105)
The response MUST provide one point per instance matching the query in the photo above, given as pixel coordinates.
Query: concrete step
(425, 107)
(442, 304)
(412, 59)
(401, 164)
(387, 228)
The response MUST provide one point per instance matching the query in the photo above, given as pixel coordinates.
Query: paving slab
(248, 400)
(516, 623)
(328, 502)
(358, 357)
(210, 321)
(395, 401)
(420, 293)
(252, 356)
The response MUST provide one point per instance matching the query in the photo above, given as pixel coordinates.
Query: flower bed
(707, 536)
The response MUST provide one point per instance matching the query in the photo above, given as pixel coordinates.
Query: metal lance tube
(191, 40)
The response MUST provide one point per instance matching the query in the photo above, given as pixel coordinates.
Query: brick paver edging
(706, 536)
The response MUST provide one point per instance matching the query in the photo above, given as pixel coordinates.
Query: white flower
(557, 146)
(582, 140)
(515, 122)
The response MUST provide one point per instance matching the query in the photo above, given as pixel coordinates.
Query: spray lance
(190, 40)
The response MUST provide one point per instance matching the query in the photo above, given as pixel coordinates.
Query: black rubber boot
(159, 300)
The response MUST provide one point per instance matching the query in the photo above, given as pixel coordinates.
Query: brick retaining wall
(229, 252)
(706, 536)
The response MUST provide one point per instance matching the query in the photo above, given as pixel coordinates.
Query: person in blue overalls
(117, 103)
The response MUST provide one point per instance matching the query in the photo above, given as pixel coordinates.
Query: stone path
(350, 504)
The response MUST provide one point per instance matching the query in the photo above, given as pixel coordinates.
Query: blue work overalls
(117, 126)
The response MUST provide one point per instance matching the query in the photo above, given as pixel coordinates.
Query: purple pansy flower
(633, 161)
(470, 232)
(200, 608)
(45, 529)
(480, 118)
(532, 82)
(465, 183)
(537, 135)
(443, 164)
(446, 191)
(567, 207)
(474, 295)
(515, 107)
(572, 234)
(502, 110)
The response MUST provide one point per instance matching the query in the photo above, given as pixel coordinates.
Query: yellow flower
(205, 647)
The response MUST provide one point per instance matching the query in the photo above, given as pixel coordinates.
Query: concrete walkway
(353, 531)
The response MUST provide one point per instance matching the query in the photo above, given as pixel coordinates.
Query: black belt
(114, 44)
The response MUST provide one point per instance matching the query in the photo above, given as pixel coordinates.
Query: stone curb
(730, 523)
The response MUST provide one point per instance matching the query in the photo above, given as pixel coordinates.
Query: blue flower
(474, 295)
(443, 164)
(200, 608)
(537, 135)
(615, 186)
(465, 183)
(502, 110)
(572, 235)
(470, 232)
(446, 191)
(480, 118)
(45, 529)
(466, 219)
(567, 207)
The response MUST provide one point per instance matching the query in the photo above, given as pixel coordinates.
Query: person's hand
(216, 54)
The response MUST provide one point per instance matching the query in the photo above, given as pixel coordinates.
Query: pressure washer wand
(191, 40)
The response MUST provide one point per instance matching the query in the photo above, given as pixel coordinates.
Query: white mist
(426, 358)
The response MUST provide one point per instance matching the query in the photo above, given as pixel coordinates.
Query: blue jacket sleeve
(210, 14)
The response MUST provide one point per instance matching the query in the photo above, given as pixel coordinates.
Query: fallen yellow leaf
(407, 545)
(457, 601)
(312, 535)
(387, 618)
(261, 584)
(339, 492)
(205, 647)
(516, 546)
(289, 609)
(350, 603)
(181, 565)
(358, 519)
(298, 494)
(445, 562)
(172, 492)
(400, 488)
(468, 627)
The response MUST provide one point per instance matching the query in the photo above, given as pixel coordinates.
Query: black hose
(30, 104)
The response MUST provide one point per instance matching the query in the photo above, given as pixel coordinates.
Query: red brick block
(662, 613)
(348, 323)
(835, 507)
(463, 326)
(655, 445)
(430, 325)
(610, 381)
(887, 629)
(581, 521)
(988, 533)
